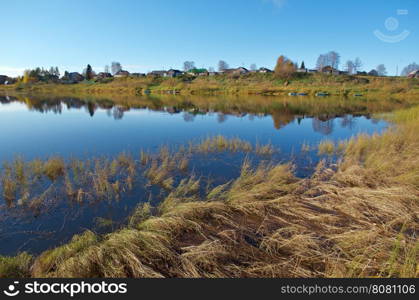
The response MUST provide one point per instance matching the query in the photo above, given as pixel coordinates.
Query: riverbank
(357, 219)
(249, 84)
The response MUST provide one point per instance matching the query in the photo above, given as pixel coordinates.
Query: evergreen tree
(89, 72)
(303, 66)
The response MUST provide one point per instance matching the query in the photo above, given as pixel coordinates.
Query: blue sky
(153, 34)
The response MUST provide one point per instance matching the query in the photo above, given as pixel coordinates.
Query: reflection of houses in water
(171, 110)
(221, 117)
(348, 121)
(188, 117)
(323, 125)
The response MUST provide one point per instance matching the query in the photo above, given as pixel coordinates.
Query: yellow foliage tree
(284, 67)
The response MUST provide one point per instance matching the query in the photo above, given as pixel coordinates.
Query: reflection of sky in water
(75, 132)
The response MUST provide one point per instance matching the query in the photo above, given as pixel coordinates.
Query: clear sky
(145, 35)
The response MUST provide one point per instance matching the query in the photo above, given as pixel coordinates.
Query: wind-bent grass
(357, 221)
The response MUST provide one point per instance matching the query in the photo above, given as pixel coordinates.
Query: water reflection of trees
(281, 113)
(324, 127)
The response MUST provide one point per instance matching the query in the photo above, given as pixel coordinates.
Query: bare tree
(350, 67)
(357, 65)
(381, 69)
(253, 67)
(321, 62)
(211, 69)
(106, 69)
(410, 68)
(188, 65)
(116, 67)
(222, 65)
(333, 59)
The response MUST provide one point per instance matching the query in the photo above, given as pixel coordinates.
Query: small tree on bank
(284, 68)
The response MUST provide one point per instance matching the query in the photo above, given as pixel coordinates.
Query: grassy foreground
(357, 219)
(253, 83)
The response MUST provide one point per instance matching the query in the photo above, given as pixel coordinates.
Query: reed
(54, 168)
(326, 147)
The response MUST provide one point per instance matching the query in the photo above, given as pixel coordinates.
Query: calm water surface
(82, 130)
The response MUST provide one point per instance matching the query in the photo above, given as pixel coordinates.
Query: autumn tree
(284, 67)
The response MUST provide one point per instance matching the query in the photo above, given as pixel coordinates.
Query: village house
(238, 71)
(158, 73)
(103, 75)
(414, 74)
(121, 74)
(4, 79)
(329, 70)
(137, 75)
(73, 77)
(265, 70)
(173, 73)
(241, 71)
(373, 73)
(198, 72)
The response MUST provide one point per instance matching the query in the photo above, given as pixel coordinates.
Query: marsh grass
(219, 144)
(15, 267)
(326, 147)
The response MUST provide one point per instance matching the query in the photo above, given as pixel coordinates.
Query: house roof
(328, 68)
(158, 72)
(196, 71)
(122, 72)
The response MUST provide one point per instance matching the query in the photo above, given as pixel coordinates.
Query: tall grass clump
(326, 147)
(15, 267)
